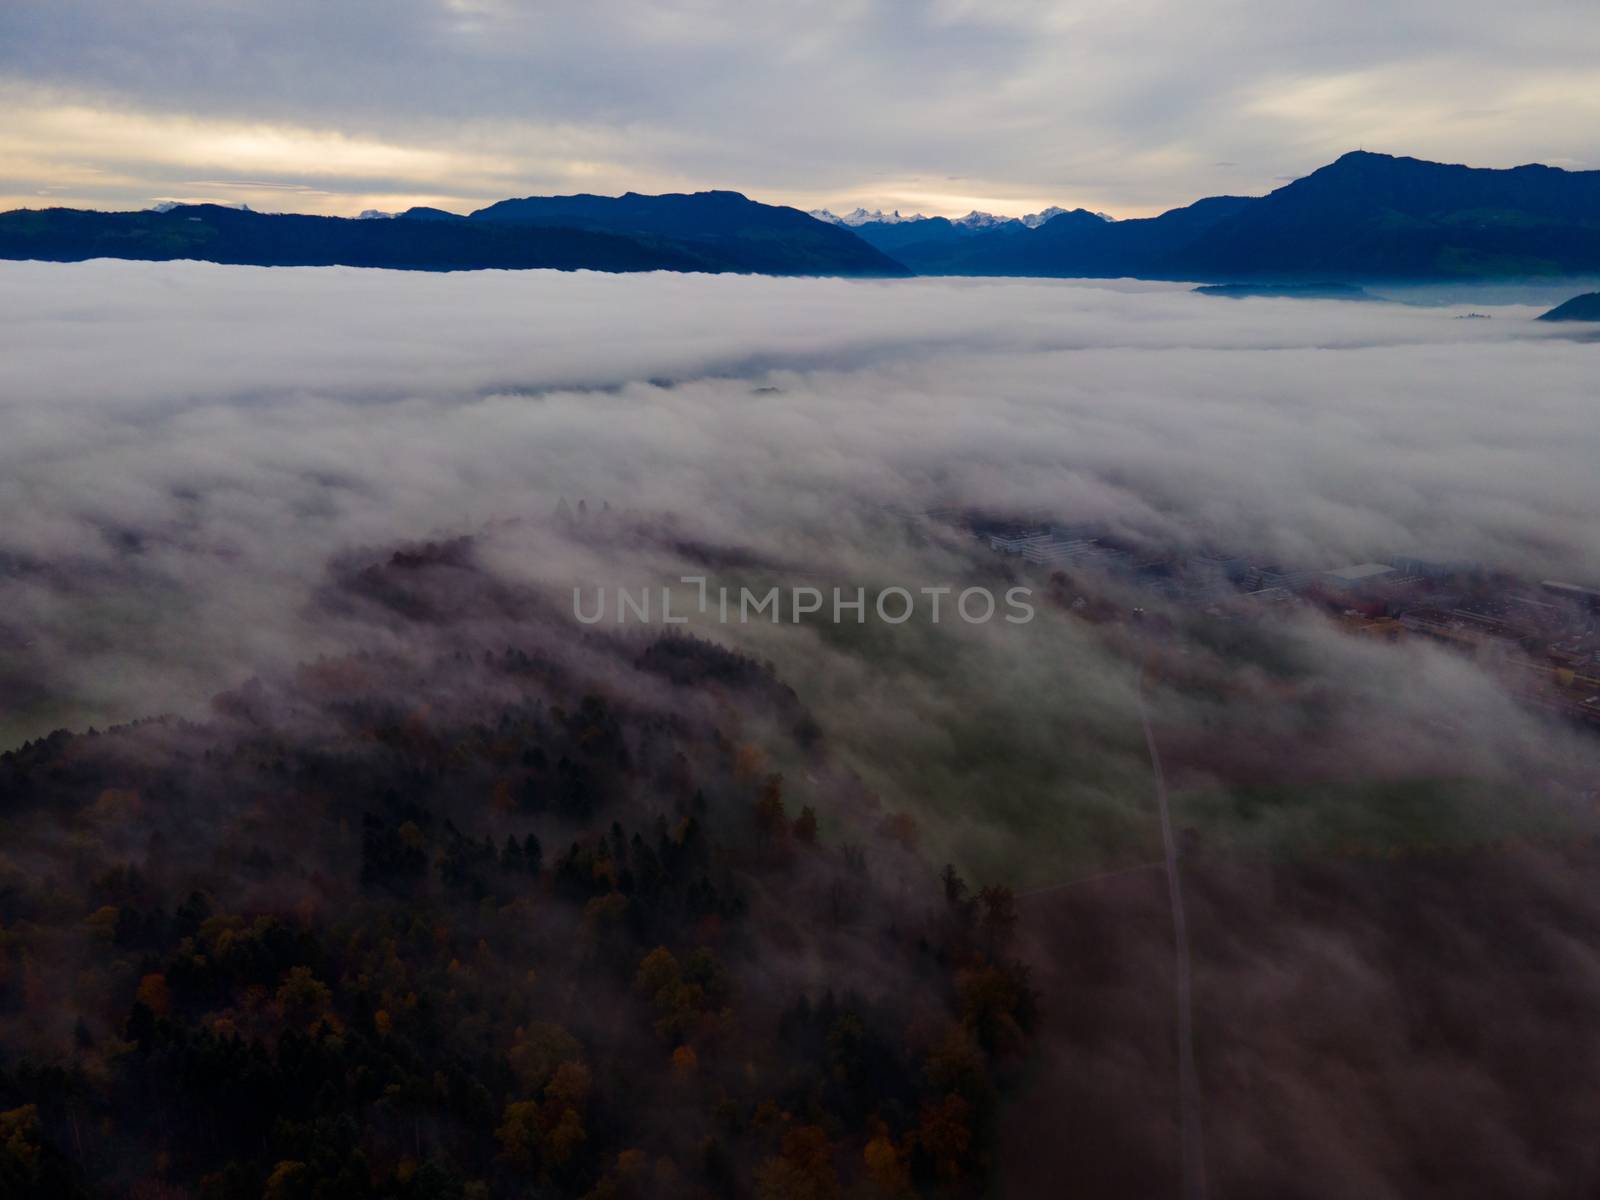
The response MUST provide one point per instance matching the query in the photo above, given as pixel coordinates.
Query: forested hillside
(513, 921)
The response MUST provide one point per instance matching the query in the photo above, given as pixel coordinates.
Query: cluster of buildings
(1541, 638)
(1054, 547)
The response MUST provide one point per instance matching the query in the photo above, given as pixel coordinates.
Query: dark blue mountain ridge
(707, 231)
(1374, 216)
(1580, 308)
(682, 214)
(422, 212)
(1364, 217)
(768, 238)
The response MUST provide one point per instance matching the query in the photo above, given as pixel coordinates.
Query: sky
(1124, 106)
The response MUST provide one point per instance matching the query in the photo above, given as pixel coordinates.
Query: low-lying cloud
(190, 446)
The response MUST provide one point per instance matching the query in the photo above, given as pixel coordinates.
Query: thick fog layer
(187, 446)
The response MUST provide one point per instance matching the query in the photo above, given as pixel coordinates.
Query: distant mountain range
(706, 231)
(1366, 217)
(971, 223)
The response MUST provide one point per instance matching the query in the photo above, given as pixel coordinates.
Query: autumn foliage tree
(802, 1170)
(401, 930)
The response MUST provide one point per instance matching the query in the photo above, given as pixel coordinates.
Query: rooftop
(1361, 571)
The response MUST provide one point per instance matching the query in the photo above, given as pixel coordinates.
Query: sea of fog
(187, 445)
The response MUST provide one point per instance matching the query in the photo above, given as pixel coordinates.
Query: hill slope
(485, 922)
(1580, 308)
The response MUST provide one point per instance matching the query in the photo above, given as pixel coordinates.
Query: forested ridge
(488, 922)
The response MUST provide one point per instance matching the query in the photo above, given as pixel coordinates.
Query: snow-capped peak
(862, 217)
(973, 221)
(979, 220)
(375, 214)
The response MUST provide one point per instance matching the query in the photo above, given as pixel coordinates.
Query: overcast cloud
(1129, 107)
